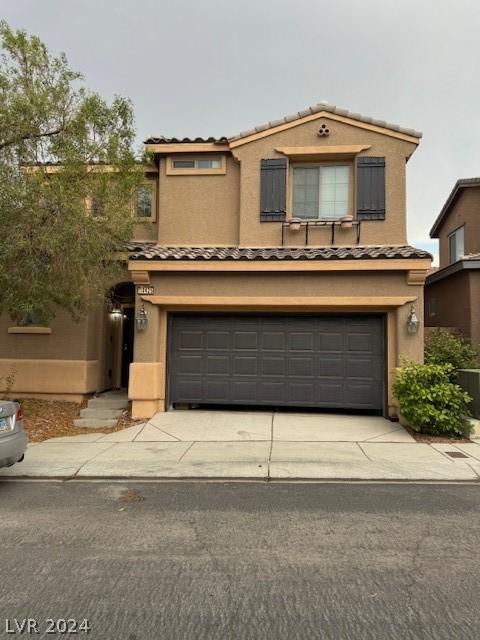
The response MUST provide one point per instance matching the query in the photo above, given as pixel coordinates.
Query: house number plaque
(145, 291)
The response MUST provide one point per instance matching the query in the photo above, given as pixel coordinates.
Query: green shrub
(430, 401)
(441, 347)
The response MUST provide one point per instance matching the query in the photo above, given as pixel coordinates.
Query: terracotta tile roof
(331, 108)
(164, 140)
(151, 251)
(459, 185)
(316, 108)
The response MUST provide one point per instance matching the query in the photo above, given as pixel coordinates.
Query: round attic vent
(324, 130)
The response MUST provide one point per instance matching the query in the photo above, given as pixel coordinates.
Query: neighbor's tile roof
(151, 251)
(459, 185)
(316, 108)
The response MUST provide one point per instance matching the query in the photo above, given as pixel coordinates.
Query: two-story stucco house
(452, 291)
(274, 271)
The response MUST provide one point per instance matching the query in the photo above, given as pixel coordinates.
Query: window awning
(323, 152)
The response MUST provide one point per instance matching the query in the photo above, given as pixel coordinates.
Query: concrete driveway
(252, 445)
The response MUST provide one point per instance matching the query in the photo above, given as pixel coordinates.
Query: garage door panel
(362, 395)
(245, 340)
(244, 391)
(218, 365)
(300, 366)
(311, 361)
(330, 367)
(218, 340)
(245, 365)
(190, 364)
(216, 389)
(272, 391)
(330, 393)
(300, 341)
(362, 368)
(190, 340)
(273, 341)
(273, 366)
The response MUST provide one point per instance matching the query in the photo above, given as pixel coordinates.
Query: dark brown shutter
(370, 188)
(273, 190)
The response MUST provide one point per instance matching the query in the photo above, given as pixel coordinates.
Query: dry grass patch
(45, 419)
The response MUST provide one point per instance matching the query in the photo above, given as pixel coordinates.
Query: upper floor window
(456, 244)
(320, 191)
(144, 206)
(196, 165)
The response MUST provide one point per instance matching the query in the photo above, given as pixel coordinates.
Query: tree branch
(30, 136)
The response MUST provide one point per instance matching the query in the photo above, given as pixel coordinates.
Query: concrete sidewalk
(247, 445)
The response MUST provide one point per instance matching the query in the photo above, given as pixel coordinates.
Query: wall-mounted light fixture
(114, 311)
(141, 319)
(412, 321)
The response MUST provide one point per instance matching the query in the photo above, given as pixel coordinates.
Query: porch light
(115, 311)
(141, 319)
(412, 321)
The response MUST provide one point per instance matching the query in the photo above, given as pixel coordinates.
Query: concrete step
(94, 423)
(108, 403)
(103, 414)
(116, 393)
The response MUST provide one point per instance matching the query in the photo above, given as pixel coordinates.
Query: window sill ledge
(37, 330)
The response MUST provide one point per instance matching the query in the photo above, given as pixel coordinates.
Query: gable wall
(466, 210)
(390, 231)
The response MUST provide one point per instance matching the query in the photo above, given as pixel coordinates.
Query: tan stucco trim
(288, 265)
(280, 302)
(140, 276)
(146, 380)
(28, 329)
(417, 276)
(170, 170)
(194, 147)
(342, 149)
(51, 376)
(316, 116)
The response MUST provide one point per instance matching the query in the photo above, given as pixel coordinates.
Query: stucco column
(146, 388)
(405, 346)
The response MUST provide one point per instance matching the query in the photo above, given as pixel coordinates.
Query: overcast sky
(217, 67)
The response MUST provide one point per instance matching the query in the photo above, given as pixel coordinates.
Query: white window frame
(172, 170)
(320, 165)
(459, 248)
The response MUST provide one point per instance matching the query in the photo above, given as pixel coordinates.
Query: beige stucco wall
(199, 210)
(209, 210)
(148, 374)
(449, 298)
(390, 231)
(466, 210)
(68, 340)
(71, 361)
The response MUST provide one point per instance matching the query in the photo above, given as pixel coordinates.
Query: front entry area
(317, 361)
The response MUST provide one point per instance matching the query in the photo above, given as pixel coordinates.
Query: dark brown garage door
(295, 361)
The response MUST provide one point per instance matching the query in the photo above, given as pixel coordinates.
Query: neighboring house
(274, 271)
(452, 292)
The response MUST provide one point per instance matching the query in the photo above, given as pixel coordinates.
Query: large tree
(67, 180)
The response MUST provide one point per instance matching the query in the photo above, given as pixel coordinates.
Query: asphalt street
(240, 561)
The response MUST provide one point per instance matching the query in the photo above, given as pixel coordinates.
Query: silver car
(13, 439)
